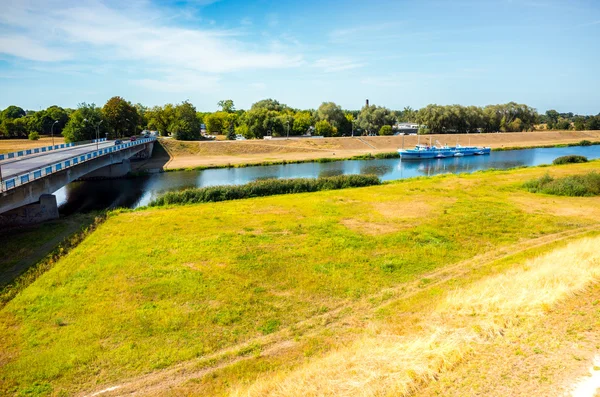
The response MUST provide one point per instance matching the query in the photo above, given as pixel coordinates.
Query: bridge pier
(44, 210)
(110, 171)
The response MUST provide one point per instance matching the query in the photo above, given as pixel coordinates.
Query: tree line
(120, 118)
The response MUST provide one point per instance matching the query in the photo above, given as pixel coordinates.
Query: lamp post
(98, 133)
(128, 122)
(52, 131)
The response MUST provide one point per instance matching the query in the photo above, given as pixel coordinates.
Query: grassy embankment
(183, 152)
(212, 298)
(201, 155)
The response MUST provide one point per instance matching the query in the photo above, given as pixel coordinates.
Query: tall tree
(86, 123)
(226, 105)
(121, 116)
(185, 125)
(13, 112)
(372, 118)
(160, 118)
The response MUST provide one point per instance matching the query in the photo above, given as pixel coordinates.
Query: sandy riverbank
(179, 154)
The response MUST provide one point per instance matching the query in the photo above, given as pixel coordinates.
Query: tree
(332, 113)
(562, 124)
(302, 122)
(13, 112)
(371, 118)
(579, 123)
(14, 128)
(121, 117)
(593, 123)
(269, 104)
(160, 118)
(408, 115)
(386, 130)
(85, 123)
(324, 128)
(552, 117)
(185, 125)
(217, 123)
(226, 106)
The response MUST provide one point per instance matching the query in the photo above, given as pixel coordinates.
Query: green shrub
(34, 136)
(388, 155)
(386, 130)
(570, 159)
(575, 185)
(267, 187)
(585, 142)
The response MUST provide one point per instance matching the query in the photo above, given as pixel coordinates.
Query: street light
(98, 133)
(128, 121)
(52, 131)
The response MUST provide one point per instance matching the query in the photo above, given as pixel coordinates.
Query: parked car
(133, 138)
(239, 137)
(118, 142)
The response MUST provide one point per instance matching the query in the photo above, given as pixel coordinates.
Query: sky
(544, 53)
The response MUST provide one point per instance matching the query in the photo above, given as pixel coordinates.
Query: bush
(386, 130)
(570, 159)
(576, 185)
(34, 136)
(267, 187)
(585, 142)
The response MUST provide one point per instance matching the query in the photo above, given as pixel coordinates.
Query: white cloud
(23, 47)
(92, 30)
(336, 64)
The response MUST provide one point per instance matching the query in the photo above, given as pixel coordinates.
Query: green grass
(156, 287)
(266, 187)
(585, 185)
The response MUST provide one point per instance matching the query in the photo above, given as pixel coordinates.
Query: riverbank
(214, 154)
(207, 299)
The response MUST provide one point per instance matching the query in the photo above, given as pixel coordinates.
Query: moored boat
(432, 152)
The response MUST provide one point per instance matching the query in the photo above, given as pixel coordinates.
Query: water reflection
(96, 195)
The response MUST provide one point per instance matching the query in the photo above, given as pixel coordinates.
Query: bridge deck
(20, 165)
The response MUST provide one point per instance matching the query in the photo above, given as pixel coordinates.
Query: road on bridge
(14, 167)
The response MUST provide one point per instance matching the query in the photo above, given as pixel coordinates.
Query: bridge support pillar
(44, 210)
(110, 171)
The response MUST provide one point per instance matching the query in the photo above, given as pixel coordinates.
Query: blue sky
(545, 53)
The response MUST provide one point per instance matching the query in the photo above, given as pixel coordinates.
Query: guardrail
(44, 149)
(30, 176)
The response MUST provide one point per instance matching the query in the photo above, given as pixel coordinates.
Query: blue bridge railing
(30, 176)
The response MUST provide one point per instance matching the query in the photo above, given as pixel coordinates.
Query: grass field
(13, 145)
(222, 298)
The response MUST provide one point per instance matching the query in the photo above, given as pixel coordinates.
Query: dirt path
(338, 318)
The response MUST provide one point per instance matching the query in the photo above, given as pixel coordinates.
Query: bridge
(29, 177)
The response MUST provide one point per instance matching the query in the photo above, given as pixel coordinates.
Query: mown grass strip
(261, 188)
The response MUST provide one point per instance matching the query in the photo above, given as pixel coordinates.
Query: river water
(131, 193)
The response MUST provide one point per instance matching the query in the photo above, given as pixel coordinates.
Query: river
(135, 192)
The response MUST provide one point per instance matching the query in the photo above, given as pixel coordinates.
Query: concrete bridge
(29, 179)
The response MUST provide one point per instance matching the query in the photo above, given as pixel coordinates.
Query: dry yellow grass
(385, 363)
(12, 145)
(209, 153)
